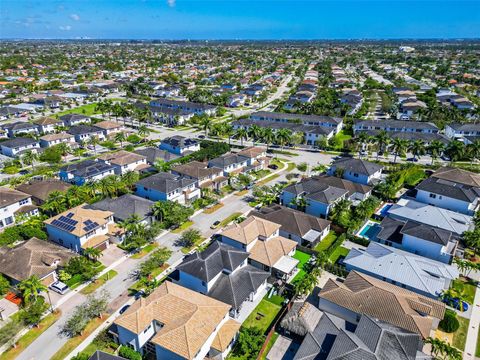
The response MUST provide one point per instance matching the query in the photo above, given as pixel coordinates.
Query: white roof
(311, 235)
(417, 272)
(26, 106)
(286, 264)
(407, 209)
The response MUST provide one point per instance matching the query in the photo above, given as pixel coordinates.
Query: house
(305, 229)
(55, 139)
(396, 126)
(109, 127)
(321, 193)
(174, 322)
(124, 161)
(154, 154)
(230, 163)
(336, 338)
(86, 171)
(413, 272)
(196, 108)
(17, 146)
(74, 119)
(165, 186)
(179, 145)
(171, 117)
(33, 257)
(451, 188)
(361, 294)
(462, 131)
(257, 157)
(356, 170)
(13, 203)
(316, 120)
(409, 209)
(123, 207)
(100, 355)
(268, 250)
(81, 228)
(221, 271)
(39, 190)
(206, 177)
(20, 127)
(47, 125)
(83, 133)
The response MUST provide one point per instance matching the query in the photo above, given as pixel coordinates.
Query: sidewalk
(473, 326)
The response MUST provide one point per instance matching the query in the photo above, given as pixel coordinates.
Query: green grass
(270, 345)
(469, 287)
(326, 242)
(229, 219)
(275, 299)
(182, 227)
(284, 152)
(291, 166)
(261, 174)
(212, 209)
(340, 251)
(460, 336)
(267, 179)
(341, 137)
(186, 250)
(144, 251)
(88, 110)
(90, 288)
(30, 336)
(268, 310)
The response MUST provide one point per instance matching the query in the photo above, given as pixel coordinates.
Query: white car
(59, 287)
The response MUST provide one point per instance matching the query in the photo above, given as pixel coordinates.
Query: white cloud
(65, 28)
(171, 3)
(75, 17)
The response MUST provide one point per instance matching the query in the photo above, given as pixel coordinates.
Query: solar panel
(65, 223)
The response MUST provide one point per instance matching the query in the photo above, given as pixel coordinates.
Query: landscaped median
(94, 285)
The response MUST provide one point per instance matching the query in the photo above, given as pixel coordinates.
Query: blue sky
(240, 19)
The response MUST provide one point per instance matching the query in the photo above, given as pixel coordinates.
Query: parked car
(123, 309)
(59, 287)
(215, 225)
(201, 136)
(412, 159)
(273, 166)
(455, 303)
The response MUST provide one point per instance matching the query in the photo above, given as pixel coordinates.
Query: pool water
(370, 231)
(384, 210)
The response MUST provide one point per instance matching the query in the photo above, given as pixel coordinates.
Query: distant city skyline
(240, 19)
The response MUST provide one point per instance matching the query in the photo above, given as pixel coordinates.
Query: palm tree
(64, 149)
(159, 209)
(31, 287)
(93, 254)
(241, 134)
(399, 146)
(455, 150)
(435, 148)
(206, 124)
(120, 137)
(55, 203)
(362, 140)
(417, 148)
(143, 131)
(108, 186)
(268, 136)
(228, 131)
(29, 158)
(93, 141)
(300, 203)
(283, 137)
(473, 150)
(382, 140)
(254, 132)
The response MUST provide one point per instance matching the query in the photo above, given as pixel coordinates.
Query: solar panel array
(65, 222)
(89, 225)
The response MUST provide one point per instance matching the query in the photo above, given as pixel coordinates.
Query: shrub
(129, 353)
(449, 323)
(134, 139)
(302, 166)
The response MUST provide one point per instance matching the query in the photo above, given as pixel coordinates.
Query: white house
(124, 161)
(17, 146)
(165, 186)
(13, 203)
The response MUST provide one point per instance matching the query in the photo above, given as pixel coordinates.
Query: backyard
(467, 287)
(303, 259)
(339, 252)
(460, 336)
(262, 316)
(326, 242)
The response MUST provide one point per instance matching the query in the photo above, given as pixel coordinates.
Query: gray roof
(465, 127)
(403, 124)
(69, 117)
(450, 189)
(83, 129)
(153, 154)
(17, 142)
(304, 118)
(125, 206)
(100, 355)
(213, 260)
(87, 168)
(427, 232)
(226, 160)
(165, 182)
(179, 141)
(181, 104)
(19, 126)
(308, 129)
(407, 209)
(357, 166)
(416, 272)
(390, 230)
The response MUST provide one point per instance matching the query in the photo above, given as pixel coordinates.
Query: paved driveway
(110, 255)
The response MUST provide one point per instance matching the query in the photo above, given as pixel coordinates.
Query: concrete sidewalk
(473, 326)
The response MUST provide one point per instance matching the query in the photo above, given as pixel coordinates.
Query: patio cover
(286, 264)
(311, 235)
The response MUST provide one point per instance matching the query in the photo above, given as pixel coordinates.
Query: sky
(239, 19)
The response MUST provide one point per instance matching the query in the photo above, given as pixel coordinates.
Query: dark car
(215, 225)
(201, 136)
(412, 159)
(273, 166)
(123, 309)
(455, 303)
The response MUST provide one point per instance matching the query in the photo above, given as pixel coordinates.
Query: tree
(206, 124)
(241, 134)
(255, 133)
(472, 239)
(143, 131)
(156, 260)
(449, 323)
(120, 137)
(442, 350)
(417, 148)
(9, 332)
(284, 137)
(159, 209)
(381, 139)
(473, 150)
(249, 343)
(268, 136)
(31, 288)
(435, 149)
(4, 285)
(32, 314)
(399, 146)
(96, 304)
(92, 254)
(129, 353)
(93, 141)
(29, 158)
(76, 323)
(189, 238)
(455, 150)
(300, 203)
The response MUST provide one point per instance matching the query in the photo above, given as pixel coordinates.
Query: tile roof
(58, 136)
(122, 157)
(47, 121)
(188, 318)
(10, 196)
(458, 175)
(252, 151)
(450, 188)
(42, 189)
(225, 335)
(125, 206)
(270, 251)
(108, 125)
(364, 294)
(249, 230)
(196, 170)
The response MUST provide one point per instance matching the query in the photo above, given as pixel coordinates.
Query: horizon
(241, 20)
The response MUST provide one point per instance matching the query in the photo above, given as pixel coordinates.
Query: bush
(129, 353)
(302, 167)
(4, 285)
(449, 323)
(134, 139)
(10, 170)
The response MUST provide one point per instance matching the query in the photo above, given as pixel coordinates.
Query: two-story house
(257, 157)
(268, 250)
(451, 188)
(125, 161)
(165, 186)
(356, 170)
(222, 272)
(74, 119)
(109, 127)
(81, 228)
(86, 171)
(12, 203)
(230, 163)
(175, 323)
(83, 133)
(17, 146)
(179, 145)
(20, 127)
(206, 177)
(47, 124)
(55, 139)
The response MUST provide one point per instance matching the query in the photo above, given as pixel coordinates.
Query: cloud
(75, 17)
(171, 3)
(65, 28)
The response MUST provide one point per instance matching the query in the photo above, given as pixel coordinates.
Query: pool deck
(367, 223)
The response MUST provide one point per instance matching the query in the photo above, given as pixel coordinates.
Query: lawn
(88, 110)
(275, 299)
(303, 258)
(261, 174)
(326, 242)
(460, 336)
(182, 227)
(90, 288)
(241, 192)
(341, 137)
(30, 336)
(467, 286)
(340, 251)
(230, 218)
(212, 209)
(262, 316)
(291, 166)
(187, 249)
(144, 251)
(267, 179)
(72, 343)
(270, 345)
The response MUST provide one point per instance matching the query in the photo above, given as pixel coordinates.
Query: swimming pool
(370, 231)
(384, 210)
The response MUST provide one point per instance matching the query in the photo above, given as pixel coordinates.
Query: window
(23, 202)
(433, 196)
